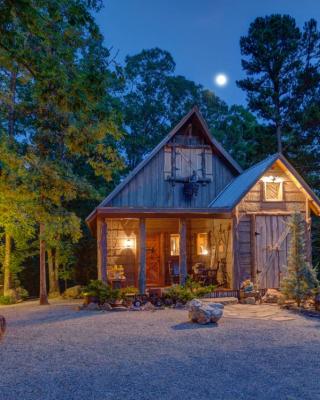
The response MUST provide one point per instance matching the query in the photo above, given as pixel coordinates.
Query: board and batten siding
(150, 189)
(255, 212)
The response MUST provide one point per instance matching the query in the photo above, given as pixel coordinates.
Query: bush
(7, 300)
(130, 290)
(103, 292)
(190, 291)
(74, 292)
(21, 293)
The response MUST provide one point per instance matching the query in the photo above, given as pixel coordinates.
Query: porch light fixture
(129, 243)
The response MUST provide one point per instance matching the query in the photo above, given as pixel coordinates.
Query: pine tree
(301, 278)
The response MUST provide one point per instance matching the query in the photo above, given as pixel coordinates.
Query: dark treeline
(73, 121)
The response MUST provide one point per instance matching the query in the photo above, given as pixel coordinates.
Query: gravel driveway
(55, 352)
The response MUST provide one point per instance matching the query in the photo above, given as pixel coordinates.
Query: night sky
(202, 35)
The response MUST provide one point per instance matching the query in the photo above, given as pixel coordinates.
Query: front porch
(158, 252)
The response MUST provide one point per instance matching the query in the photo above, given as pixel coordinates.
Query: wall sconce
(129, 243)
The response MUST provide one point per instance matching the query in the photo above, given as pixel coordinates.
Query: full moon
(221, 79)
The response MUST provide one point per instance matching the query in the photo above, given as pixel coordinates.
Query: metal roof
(239, 187)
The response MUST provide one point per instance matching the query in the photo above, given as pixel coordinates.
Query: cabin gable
(187, 155)
(276, 191)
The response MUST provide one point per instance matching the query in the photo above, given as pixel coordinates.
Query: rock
(272, 296)
(148, 307)
(248, 300)
(93, 307)
(204, 313)
(74, 292)
(3, 326)
(106, 307)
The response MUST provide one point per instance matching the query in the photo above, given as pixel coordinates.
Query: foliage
(130, 290)
(191, 290)
(103, 292)
(7, 300)
(301, 279)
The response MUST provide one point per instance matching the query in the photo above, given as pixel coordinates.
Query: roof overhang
(117, 212)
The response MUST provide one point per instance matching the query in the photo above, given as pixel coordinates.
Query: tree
(74, 121)
(301, 278)
(272, 63)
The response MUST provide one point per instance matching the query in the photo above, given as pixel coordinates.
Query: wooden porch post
(142, 255)
(102, 250)
(236, 265)
(183, 251)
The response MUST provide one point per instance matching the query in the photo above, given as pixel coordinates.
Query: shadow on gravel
(191, 325)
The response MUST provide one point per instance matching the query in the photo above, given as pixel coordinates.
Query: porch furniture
(174, 272)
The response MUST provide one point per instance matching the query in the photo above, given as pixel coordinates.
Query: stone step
(222, 300)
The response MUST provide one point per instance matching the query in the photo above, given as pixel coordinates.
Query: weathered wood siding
(293, 198)
(149, 188)
(261, 225)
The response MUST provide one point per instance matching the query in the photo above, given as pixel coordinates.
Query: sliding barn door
(272, 246)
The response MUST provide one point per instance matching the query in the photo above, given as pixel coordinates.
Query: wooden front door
(153, 260)
(271, 250)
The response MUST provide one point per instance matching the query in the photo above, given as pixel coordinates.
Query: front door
(153, 260)
(272, 246)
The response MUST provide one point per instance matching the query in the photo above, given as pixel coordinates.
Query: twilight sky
(202, 35)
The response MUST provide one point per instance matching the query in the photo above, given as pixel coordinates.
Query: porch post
(102, 250)
(183, 251)
(142, 255)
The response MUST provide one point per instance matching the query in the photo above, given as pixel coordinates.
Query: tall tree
(272, 63)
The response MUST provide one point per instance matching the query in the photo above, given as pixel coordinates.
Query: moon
(221, 79)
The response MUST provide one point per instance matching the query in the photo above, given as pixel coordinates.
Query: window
(273, 188)
(175, 244)
(202, 244)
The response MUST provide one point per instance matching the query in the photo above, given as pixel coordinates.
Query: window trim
(273, 180)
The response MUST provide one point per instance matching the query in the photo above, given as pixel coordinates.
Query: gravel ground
(55, 352)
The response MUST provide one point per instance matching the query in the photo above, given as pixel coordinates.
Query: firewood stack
(2, 326)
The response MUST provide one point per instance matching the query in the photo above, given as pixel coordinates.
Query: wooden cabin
(188, 208)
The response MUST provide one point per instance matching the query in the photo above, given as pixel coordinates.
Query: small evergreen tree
(301, 278)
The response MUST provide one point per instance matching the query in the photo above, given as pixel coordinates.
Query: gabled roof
(240, 186)
(195, 111)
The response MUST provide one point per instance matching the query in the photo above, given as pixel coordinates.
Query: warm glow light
(129, 244)
(221, 79)
(204, 252)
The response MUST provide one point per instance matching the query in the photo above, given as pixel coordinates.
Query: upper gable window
(273, 188)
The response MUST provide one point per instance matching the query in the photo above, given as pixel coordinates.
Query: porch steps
(222, 300)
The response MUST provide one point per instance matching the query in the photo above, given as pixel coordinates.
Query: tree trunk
(53, 288)
(7, 281)
(279, 139)
(43, 283)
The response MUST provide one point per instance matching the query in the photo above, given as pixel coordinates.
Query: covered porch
(159, 249)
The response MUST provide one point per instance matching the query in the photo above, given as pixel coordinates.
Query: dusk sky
(203, 36)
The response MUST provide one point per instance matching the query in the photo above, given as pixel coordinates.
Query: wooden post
(102, 250)
(183, 251)
(253, 248)
(236, 264)
(142, 255)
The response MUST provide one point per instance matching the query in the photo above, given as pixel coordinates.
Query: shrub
(301, 279)
(21, 293)
(7, 300)
(74, 292)
(102, 291)
(130, 290)
(190, 291)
